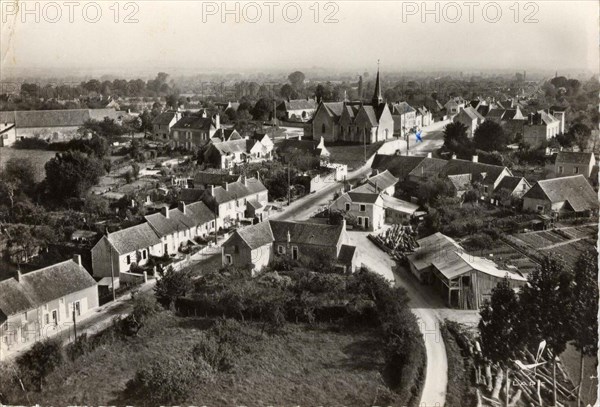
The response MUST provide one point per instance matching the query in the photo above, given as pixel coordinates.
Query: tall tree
(456, 139)
(500, 324)
(490, 136)
(547, 299)
(297, 79)
(71, 174)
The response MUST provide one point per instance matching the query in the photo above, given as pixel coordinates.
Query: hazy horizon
(172, 37)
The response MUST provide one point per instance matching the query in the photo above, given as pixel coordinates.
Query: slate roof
(257, 235)
(227, 134)
(461, 182)
(571, 157)
(42, 286)
(189, 195)
(162, 225)
(371, 115)
(214, 178)
(164, 118)
(363, 197)
(134, 238)
(399, 205)
(347, 253)
(495, 114)
(306, 233)
(472, 113)
(300, 104)
(455, 167)
(199, 213)
(574, 189)
(509, 183)
(383, 180)
(231, 147)
(398, 165)
(56, 118)
(402, 108)
(193, 122)
(428, 167)
(333, 109)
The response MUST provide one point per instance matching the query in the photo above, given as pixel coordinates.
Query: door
(366, 223)
(295, 253)
(55, 317)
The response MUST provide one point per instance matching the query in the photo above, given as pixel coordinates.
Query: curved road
(425, 305)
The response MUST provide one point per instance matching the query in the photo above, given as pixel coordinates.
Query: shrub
(218, 355)
(41, 360)
(79, 347)
(168, 380)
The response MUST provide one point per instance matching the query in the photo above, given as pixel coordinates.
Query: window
(348, 206)
(560, 169)
(280, 249)
(295, 252)
(323, 128)
(540, 208)
(360, 221)
(576, 170)
(228, 259)
(363, 208)
(485, 189)
(144, 254)
(128, 259)
(54, 317)
(77, 307)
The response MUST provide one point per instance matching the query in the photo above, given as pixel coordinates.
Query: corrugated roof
(432, 248)
(399, 205)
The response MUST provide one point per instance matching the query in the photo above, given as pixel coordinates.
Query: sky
(187, 36)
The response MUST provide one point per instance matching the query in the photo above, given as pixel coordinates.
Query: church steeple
(377, 98)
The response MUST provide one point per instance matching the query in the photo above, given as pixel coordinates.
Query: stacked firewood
(396, 241)
(526, 387)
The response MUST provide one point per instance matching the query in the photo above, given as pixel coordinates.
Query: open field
(303, 365)
(38, 157)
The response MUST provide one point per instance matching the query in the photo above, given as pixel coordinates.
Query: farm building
(463, 280)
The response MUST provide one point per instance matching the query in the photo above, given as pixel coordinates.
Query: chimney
(343, 224)
(376, 171)
(181, 207)
(475, 158)
(454, 156)
(77, 259)
(165, 211)
(289, 238)
(212, 190)
(429, 155)
(227, 186)
(243, 180)
(217, 121)
(18, 276)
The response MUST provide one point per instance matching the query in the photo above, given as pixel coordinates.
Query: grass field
(38, 157)
(352, 155)
(303, 365)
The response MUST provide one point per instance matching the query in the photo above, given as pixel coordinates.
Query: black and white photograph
(347, 203)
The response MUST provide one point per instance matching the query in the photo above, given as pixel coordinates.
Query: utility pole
(112, 271)
(289, 187)
(74, 322)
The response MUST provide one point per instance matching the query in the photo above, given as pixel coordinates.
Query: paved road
(428, 307)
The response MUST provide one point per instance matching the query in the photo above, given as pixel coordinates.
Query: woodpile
(397, 241)
(531, 387)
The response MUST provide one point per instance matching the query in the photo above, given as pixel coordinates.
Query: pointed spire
(377, 98)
